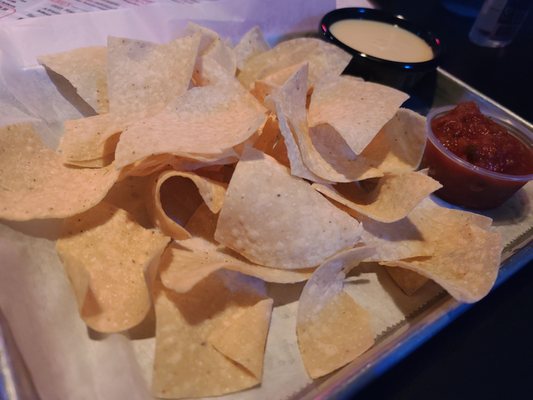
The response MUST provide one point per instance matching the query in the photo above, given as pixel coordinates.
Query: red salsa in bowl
(481, 161)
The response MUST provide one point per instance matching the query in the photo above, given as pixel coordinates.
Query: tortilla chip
(86, 69)
(217, 65)
(91, 138)
(251, 44)
(332, 328)
(187, 262)
(466, 255)
(207, 36)
(290, 102)
(356, 109)
(206, 120)
(144, 77)
(410, 282)
(334, 150)
(297, 166)
(399, 145)
(115, 252)
(210, 72)
(271, 83)
(324, 59)
(130, 194)
(176, 195)
(261, 187)
(393, 198)
(186, 362)
(419, 234)
(34, 183)
(252, 323)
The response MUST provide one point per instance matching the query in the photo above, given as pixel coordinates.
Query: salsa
(494, 163)
(475, 138)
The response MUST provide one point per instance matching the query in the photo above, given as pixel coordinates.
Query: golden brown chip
(187, 363)
(356, 109)
(86, 69)
(266, 208)
(332, 328)
(105, 248)
(393, 198)
(34, 183)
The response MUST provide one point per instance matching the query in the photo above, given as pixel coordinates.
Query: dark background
(487, 353)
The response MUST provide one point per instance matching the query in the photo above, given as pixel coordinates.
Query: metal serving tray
(400, 340)
(393, 344)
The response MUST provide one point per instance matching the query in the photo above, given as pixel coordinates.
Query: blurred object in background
(464, 8)
(498, 22)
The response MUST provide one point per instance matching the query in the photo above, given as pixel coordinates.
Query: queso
(382, 40)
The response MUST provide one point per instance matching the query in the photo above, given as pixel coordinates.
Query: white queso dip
(381, 40)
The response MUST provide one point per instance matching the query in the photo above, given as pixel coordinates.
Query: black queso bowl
(398, 74)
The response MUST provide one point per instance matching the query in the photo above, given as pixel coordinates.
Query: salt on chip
(399, 145)
(251, 44)
(187, 363)
(35, 184)
(86, 69)
(261, 187)
(393, 198)
(205, 120)
(187, 262)
(332, 328)
(176, 195)
(355, 108)
(324, 59)
(290, 101)
(144, 76)
(110, 250)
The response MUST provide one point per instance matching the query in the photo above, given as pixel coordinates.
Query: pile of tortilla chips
(208, 171)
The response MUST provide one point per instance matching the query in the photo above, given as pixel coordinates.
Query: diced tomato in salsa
(469, 134)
